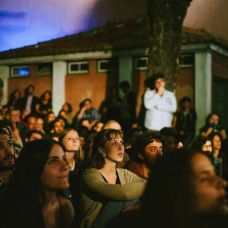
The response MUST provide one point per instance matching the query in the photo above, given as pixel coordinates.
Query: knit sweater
(95, 192)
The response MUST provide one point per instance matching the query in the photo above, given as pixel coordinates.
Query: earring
(104, 154)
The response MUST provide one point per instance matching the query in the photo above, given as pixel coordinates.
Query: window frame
(18, 75)
(187, 65)
(44, 74)
(141, 58)
(79, 71)
(100, 61)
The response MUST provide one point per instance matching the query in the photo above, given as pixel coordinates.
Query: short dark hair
(124, 84)
(158, 75)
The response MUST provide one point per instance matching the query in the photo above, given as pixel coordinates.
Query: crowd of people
(107, 167)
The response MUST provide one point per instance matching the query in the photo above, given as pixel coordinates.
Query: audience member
(170, 140)
(212, 125)
(147, 150)
(33, 198)
(160, 105)
(7, 158)
(74, 157)
(45, 104)
(185, 121)
(28, 103)
(87, 112)
(107, 190)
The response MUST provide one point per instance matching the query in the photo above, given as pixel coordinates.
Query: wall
(42, 83)
(220, 66)
(92, 85)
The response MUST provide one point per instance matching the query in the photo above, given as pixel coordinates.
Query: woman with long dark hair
(33, 198)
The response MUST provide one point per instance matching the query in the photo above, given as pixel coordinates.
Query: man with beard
(7, 158)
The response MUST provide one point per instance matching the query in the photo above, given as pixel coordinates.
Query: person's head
(7, 158)
(208, 190)
(170, 139)
(124, 86)
(86, 103)
(30, 122)
(50, 116)
(33, 135)
(59, 125)
(148, 147)
(39, 124)
(185, 103)
(108, 146)
(112, 124)
(14, 116)
(216, 140)
(30, 90)
(46, 96)
(67, 107)
(71, 143)
(180, 187)
(159, 80)
(212, 120)
(85, 123)
(41, 167)
(63, 113)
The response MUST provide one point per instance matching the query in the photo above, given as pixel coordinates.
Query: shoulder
(126, 174)
(90, 173)
(169, 93)
(67, 209)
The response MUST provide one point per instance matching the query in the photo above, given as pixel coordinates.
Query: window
(107, 65)
(44, 69)
(78, 67)
(141, 63)
(19, 71)
(186, 60)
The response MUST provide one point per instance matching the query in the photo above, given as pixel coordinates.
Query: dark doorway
(220, 100)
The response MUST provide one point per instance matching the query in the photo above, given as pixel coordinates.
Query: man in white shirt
(160, 105)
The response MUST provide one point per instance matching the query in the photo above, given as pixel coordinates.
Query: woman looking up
(106, 189)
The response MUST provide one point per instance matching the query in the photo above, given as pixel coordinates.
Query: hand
(160, 91)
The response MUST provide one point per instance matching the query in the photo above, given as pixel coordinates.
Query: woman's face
(114, 149)
(214, 119)
(208, 188)
(216, 142)
(55, 172)
(39, 124)
(71, 141)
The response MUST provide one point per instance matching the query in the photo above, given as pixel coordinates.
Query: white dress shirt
(159, 109)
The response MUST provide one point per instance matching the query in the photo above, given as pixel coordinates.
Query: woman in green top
(106, 189)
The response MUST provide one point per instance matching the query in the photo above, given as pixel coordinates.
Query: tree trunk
(165, 21)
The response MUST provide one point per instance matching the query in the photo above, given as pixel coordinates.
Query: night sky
(25, 22)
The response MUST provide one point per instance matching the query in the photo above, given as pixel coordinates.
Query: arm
(151, 99)
(170, 105)
(133, 189)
